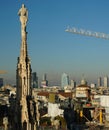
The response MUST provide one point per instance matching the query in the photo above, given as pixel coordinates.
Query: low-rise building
(83, 91)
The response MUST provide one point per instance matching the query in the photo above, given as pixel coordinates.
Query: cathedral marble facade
(25, 112)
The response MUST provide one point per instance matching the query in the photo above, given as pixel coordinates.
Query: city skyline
(51, 49)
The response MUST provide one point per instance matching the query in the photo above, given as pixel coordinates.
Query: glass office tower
(64, 80)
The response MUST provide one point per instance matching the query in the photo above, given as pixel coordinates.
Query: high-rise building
(25, 107)
(73, 84)
(106, 81)
(1, 82)
(34, 80)
(64, 80)
(99, 82)
(44, 82)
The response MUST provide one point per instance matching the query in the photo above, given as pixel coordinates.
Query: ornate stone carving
(23, 13)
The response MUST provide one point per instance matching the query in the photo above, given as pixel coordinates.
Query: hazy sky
(51, 49)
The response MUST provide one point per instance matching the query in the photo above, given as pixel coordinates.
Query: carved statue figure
(31, 108)
(23, 13)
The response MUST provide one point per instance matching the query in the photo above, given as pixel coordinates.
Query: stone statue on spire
(23, 13)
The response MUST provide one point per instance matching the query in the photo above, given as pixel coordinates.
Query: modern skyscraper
(25, 109)
(44, 82)
(1, 82)
(73, 84)
(64, 80)
(105, 81)
(34, 80)
(99, 82)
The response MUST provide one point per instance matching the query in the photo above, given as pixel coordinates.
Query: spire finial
(23, 13)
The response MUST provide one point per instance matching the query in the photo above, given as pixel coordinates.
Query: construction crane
(87, 33)
(3, 72)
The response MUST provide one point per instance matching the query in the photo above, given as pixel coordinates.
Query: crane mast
(87, 33)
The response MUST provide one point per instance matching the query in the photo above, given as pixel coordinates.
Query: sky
(51, 49)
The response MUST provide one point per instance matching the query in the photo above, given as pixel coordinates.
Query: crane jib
(88, 33)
